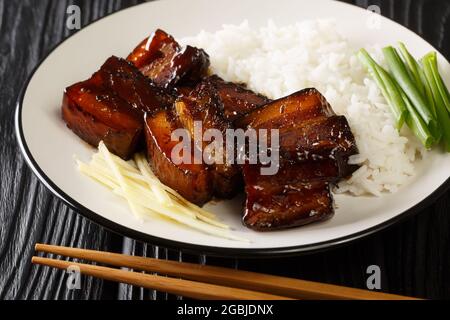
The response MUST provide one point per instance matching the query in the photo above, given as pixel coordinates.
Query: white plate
(49, 146)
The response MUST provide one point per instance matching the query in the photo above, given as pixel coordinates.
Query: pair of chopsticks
(199, 281)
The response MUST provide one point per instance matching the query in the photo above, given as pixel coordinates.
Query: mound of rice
(277, 61)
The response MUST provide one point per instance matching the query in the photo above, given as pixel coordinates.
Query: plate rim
(184, 246)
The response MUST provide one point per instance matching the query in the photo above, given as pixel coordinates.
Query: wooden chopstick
(186, 288)
(275, 285)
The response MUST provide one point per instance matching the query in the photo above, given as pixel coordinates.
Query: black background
(413, 255)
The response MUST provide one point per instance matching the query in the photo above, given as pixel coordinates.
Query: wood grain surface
(414, 255)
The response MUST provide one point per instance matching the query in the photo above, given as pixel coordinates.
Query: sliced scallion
(417, 125)
(432, 58)
(400, 74)
(387, 87)
(418, 76)
(430, 69)
(413, 66)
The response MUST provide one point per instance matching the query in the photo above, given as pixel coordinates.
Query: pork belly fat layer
(236, 99)
(166, 63)
(314, 147)
(278, 202)
(203, 105)
(151, 48)
(308, 129)
(95, 114)
(123, 78)
(300, 106)
(318, 138)
(192, 181)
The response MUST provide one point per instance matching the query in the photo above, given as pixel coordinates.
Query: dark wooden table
(414, 255)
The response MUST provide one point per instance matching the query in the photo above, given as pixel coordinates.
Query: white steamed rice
(277, 61)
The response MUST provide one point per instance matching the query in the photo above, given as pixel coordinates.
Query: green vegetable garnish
(400, 74)
(387, 86)
(416, 72)
(417, 125)
(440, 95)
(415, 92)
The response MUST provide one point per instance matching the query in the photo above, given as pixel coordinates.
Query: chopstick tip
(38, 246)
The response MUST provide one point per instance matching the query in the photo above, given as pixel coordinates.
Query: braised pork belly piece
(322, 138)
(298, 107)
(286, 199)
(166, 63)
(203, 105)
(314, 146)
(308, 129)
(235, 98)
(110, 106)
(123, 78)
(95, 114)
(298, 194)
(192, 181)
(154, 47)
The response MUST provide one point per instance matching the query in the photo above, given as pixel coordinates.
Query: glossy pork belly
(298, 107)
(166, 63)
(308, 129)
(314, 147)
(125, 80)
(203, 105)
(111, 104)
(285, 200)
(192, 181)
(95, 114)
(236, 99)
